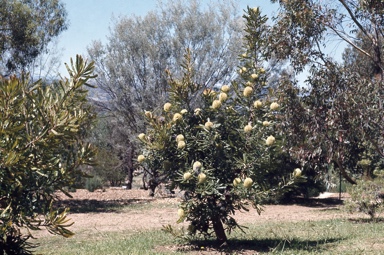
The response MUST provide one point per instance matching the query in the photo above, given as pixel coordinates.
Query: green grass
(335, 236)
(107, 243)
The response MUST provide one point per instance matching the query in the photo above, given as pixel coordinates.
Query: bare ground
(96, 211)
(111, 210)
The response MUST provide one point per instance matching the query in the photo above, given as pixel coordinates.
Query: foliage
(111, 165)
(220, 151)
(27, 27)
(41, 132)
(336, 120)
(109, 168)
(256, 54)
(93, 183)
(367, 197)
(131, 66)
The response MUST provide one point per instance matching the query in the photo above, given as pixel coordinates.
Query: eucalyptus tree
(132, 64)
(340, 115)
(26, 29)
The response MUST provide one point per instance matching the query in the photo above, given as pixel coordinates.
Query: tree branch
(350, 42)
(353, 17)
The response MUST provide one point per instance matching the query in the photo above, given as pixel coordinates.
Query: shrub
(41, 149)
(93, 183)
(367, 197)
(221, 166)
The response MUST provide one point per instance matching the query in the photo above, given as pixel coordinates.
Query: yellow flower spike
(258, 104)
(274, 106)
(270, 140)
(148, 114)
(177, 116)
(167, 107)
(196, 166)
(216, 104)
(297, 172)
(262, 70)
(244, 55)
(187, 176)
(248, 128)
(140, 158)
(247, 91)
(223, 97)
(181, 145)
(209, 92)
(197, 111)
(181, 213)
(208, 125)
(184, 111)
(201, 178)
(248, 183)
(141, 136)
(254, 76)
(236, 182)
(266, 123)
(225, 88)
(244, 69)
(179, 138)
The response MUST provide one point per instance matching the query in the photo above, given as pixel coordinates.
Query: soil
(98, 212)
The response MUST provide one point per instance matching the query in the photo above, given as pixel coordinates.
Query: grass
(337, 236)
(107, 243)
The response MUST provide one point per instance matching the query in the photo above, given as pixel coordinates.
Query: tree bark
(219, 230)
(129, 167)
(129, 177)
(344, 173)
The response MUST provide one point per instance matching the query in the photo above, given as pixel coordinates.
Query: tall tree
(26, 28)
(132, 64)
(340, 113)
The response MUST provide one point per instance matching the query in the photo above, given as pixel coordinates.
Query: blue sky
(90, 20)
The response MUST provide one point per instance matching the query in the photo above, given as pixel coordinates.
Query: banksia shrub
(222, 168)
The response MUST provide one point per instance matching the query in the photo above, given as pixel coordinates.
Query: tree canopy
(337, 119)
(132, 64)
(26, 28)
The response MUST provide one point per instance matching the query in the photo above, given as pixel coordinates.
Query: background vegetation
(328, 125)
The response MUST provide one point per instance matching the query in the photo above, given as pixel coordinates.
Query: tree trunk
(344, 173)
(152, 186)
(129, 167)
(219, 231)
(129, 177)
(368, 173)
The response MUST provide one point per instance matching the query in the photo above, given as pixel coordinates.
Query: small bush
(94, 183)
(366, 197)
